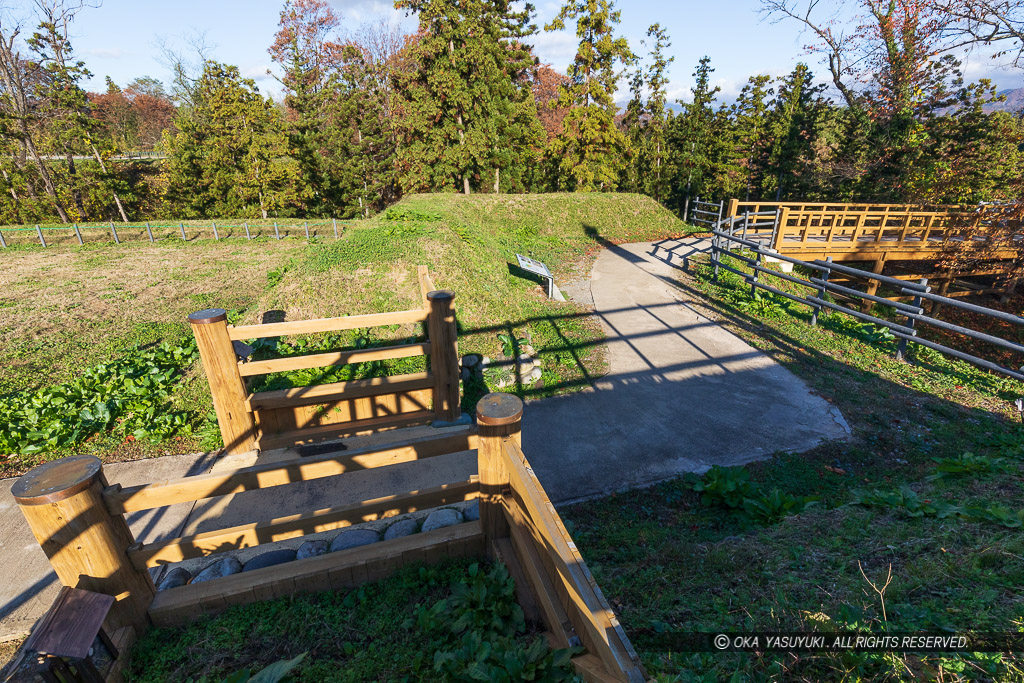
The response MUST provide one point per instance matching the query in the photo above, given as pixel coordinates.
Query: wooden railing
(266, 420)
(79, 522)
(876, 232)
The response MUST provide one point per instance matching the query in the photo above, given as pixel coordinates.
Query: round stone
(353, 539)
(471, 512)
(175, 578)
(438, 519)
(403, 527)
(269, 559)
(311, 549)
(219, 569)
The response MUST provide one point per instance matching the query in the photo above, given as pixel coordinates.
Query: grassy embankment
(930, 487)
(68, 307)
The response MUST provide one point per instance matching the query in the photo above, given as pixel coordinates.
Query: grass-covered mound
(67, 308)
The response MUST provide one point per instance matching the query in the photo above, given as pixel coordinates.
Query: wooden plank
(599, 620)
(592, 670)
(293, 526)
(71, 624)
(324, 360)
(344, 430)
(503, 551)
(351, 322)
(346, 569)
(213, 484)
(324, 393)
(555, 617)
(426, 285)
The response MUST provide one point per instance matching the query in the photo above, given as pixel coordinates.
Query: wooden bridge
(986, 240)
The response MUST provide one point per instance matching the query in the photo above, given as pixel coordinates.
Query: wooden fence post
(498, 416)
(334, 221)
(63, 503)
(444, 355)
(237, 425)
(733, 206)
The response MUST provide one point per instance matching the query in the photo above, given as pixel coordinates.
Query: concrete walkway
(682, 393)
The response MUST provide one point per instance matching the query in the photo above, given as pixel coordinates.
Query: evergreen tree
(691, 139)
(305, 50)
(467, 113)
(225, 158)
(750, 141)
(645, 123)
(793, 126)
(589, 152)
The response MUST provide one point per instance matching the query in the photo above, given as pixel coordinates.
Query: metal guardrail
(721, 244)
(706, 214)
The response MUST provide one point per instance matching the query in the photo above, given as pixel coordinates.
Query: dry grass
(66, 308)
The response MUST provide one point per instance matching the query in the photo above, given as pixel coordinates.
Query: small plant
(510, 345)
(401, 214)
(763, 305)
(968, 463)
(877, 334)
(725, 487)
(275, 673)
(775, 506)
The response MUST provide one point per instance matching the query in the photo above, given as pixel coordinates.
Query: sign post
(538, 268)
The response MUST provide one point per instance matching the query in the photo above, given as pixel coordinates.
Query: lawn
(930, 487)
(71, 311)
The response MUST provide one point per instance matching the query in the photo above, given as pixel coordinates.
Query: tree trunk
(44, 173)
(76, 193)
(103, 167)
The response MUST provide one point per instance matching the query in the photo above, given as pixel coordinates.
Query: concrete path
(682, 393)
(27, 582)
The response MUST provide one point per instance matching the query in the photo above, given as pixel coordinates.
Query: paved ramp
(682, 393)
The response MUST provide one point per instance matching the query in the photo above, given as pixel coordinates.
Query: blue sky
(119, 38)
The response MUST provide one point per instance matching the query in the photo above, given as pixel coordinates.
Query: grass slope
(68, 307)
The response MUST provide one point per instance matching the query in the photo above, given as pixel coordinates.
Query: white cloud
(557, 48)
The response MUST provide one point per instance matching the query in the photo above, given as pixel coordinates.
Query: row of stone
(346, 540)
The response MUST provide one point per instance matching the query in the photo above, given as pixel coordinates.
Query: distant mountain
(1014, 102)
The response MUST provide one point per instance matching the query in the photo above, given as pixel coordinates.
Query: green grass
(672, 562)
(440, 623)
(68, 307)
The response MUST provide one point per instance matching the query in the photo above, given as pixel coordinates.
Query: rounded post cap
(498, 409)
(440, 295)
(54, 481)
(210, 315)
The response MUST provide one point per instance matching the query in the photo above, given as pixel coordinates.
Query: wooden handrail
(351, 322)
(597, 620)
(324, 360)
(426, 285)
(293, 526)
(199, 487)
(340, 391)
